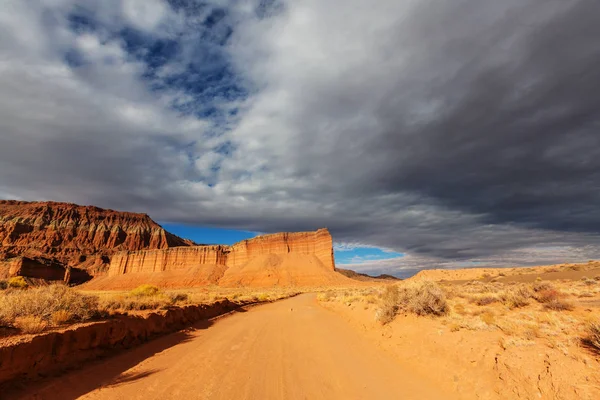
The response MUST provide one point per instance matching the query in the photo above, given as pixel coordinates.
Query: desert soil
(291, 349)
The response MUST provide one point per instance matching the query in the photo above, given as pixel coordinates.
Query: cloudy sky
(426, 133)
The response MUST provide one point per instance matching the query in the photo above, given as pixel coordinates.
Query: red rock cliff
(69, 233)
(318, 243)
(301, 258)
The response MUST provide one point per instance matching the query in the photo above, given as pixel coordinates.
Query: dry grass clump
(478, 287)
(542, 286)
(143, 297)
(421, 298)
(61, 317)
(484, 300)
(588, 281)
(52, 304)
(516, 297)
(138, 302)
(3, 285)
(30, 324)
(592, 338)
(548, 295)
(389, 304)
(425, 298)
(558, 305)
(326, 296)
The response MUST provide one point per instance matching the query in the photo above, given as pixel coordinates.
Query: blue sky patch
(209, 235)
(358, 255)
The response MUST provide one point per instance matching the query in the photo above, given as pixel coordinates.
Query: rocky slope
(280, 259)
(70, 235)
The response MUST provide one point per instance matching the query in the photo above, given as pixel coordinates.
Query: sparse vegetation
(30, 324)
(425, 298)
(17, 282)
(558, 305)
(421, 298)
(61, 317)
(548, 295)
(145, 290)
(389, 304)
(3, 285)
(516, 297)
(26, 309)
(592, 338)
(484, 300)
(34, 309)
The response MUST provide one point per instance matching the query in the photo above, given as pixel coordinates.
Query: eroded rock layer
(281, 259)
(70, 235)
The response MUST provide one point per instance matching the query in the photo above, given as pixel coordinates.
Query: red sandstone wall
(318, 243)
(167, 260)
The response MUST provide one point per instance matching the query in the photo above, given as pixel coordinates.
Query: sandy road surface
(292, 349)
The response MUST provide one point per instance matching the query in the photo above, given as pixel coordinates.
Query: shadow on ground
(107, 371)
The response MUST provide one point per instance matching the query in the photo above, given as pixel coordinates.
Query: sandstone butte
(119, 250)
(280, 259)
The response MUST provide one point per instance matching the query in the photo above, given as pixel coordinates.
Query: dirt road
(292, 349)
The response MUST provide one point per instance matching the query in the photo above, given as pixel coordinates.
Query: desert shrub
(558, 305)
(370, 299)
(388, 304)
(145, 290)
(588, 281)
(43, 302)
(484, 300)
(3, 285)
(17, 282)
(516, 297)
(178, 297)
(592, 337)
(263, 297)
(60, 317)
(541, 286)
(426, 298)
(136, 303)
(488, 317)
(586, 294)
(326, 296)
(545, 296)
(30, 324)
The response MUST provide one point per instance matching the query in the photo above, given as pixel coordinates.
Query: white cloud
(145, 14)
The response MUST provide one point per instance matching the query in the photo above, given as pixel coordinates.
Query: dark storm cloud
(516, 140)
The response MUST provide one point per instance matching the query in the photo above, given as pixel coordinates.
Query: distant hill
(364, 277)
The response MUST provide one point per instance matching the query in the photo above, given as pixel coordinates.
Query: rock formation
(61, 235)
(280, 259)
(60, 241)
